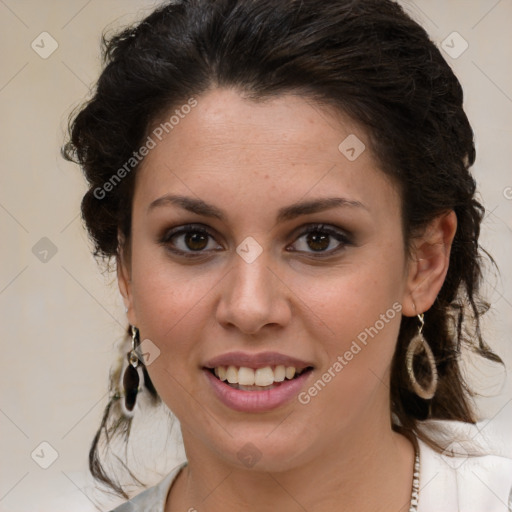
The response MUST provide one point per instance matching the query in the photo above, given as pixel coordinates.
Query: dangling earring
(131, 377)
(415, 345)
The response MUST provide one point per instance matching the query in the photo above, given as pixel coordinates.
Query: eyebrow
(292, 211)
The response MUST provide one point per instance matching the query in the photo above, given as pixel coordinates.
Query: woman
(284, 188)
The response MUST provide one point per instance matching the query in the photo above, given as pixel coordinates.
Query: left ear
(428, 264)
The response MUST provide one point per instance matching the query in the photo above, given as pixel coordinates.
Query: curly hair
(363, 58)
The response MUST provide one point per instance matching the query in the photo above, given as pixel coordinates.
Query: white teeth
(246, 376)
(262, 377)
(290, 372)
(232, 375)
(222, 373)
(279, 373)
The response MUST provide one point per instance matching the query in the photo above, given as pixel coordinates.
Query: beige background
(61, 318)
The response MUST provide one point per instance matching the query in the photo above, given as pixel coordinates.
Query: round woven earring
(131, 377)
(418, 343)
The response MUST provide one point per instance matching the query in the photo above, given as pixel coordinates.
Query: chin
(262, 451)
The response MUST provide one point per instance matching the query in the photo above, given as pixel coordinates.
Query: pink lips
(256, 401)
(255, 360)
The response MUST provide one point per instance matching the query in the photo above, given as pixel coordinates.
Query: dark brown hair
(363, 58)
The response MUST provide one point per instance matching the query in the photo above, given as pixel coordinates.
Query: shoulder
(152, 499)
(468, 476)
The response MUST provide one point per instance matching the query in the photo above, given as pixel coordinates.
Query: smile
(256, 383)
(255, 379)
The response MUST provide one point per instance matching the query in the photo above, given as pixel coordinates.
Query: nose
(253, 297)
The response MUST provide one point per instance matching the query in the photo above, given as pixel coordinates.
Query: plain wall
(61, 318)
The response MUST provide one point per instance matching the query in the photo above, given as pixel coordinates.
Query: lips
(256, 361)
(256, 382)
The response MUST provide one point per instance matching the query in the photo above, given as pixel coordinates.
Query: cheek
(171, 309)
(165, 293)
(358, 294)
(360, 306)
(172, 316)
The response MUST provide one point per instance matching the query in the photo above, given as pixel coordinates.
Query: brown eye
(317, 241)
(187, 240)
(196, 241)
(322, 240)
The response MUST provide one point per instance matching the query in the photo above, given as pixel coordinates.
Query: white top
(447, 484)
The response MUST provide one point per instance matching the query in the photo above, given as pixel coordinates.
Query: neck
(370, 469)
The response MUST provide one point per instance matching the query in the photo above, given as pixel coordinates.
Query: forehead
(286, 146)
(289, 126)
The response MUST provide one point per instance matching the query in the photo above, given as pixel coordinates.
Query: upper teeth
(259, 377)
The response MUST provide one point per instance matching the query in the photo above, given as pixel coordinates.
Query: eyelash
(338, 235)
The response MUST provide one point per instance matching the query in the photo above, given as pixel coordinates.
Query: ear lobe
(429, 263)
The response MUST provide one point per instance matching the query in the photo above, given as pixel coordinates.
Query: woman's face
(251, 289)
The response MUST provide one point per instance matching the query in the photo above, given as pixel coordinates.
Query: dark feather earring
(131, 377)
